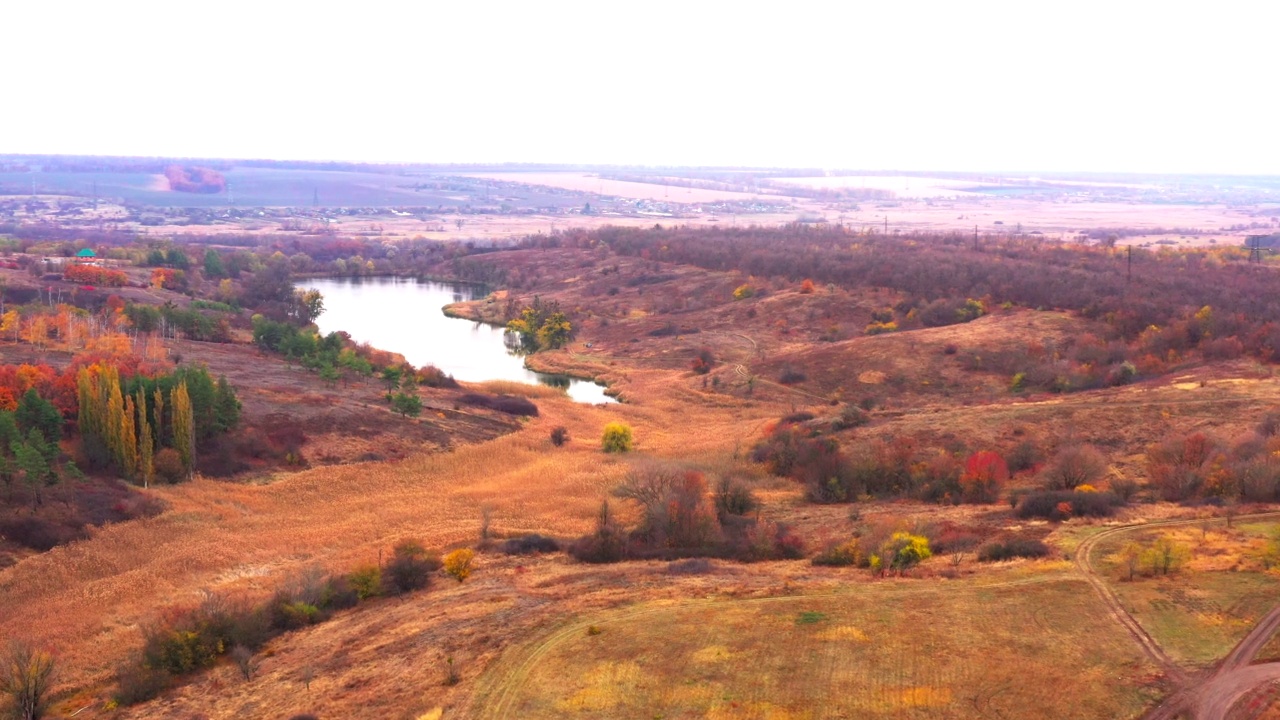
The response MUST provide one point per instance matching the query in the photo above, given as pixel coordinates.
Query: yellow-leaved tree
(184, 429)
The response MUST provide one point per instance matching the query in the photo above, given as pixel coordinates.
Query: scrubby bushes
(1201, 465)
(509, 404)
(530, 544)
(1074, 466)
(680, 518)
(410, 567)
(186, 640)
(1012, 548)
(734, 498)
(1063, 504)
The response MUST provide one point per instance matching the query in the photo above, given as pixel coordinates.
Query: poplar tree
(129, 440)
(184, 435)
(159, 416)
(146, 468)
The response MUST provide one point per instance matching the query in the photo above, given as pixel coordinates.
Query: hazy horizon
(1145, 89)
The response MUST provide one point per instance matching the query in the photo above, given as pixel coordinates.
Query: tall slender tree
(184, 430)
(146, 448)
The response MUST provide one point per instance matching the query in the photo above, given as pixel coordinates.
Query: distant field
(1030, 648)
(903, 186)
(270, 187)
(588, 183)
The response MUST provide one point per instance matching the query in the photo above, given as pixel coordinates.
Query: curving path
(1206, 698)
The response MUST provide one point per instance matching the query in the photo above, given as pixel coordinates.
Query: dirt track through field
(1210, 698)
(498, 693)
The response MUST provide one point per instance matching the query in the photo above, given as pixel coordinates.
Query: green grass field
(1201, 611)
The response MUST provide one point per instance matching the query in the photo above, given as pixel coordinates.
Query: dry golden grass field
(998, 646)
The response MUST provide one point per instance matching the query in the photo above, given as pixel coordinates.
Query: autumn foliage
(93, 275)
(984, 476)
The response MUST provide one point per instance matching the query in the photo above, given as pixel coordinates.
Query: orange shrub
(93, 275)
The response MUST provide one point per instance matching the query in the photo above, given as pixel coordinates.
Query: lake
(404, 316)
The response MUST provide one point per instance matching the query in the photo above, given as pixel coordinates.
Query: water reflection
(404, 316)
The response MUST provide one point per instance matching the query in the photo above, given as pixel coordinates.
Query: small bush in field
(366, 581)
(1062, 504)
(851, 416)
(903, 550)
(1012, 548)
(734, 498)
(559, 435)
(840, 555)
(529, 544)
(458, 563)
(791, 376)
(136, 683)
(616, 438)
(1073, 466)
(704, 361)
(410, 568)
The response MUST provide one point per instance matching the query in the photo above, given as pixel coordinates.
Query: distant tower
(315, 197)
(231, 199)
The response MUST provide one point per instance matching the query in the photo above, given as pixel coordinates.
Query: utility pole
(1129, 262)
(975, 238)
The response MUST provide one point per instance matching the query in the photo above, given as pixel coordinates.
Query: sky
(960, 85)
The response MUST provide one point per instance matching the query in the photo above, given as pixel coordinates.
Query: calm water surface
(404, 316)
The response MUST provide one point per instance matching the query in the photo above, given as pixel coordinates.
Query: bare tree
(25, 677)
(1075, 466)
(245, 661)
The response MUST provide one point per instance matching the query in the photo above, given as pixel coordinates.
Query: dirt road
(1206, 698)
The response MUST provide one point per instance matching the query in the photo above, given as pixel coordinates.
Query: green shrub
(616, 438)
(299, 614)
(366, 581)
(840, 555)
(180, 651)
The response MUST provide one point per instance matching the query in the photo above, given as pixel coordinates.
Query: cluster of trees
(29, 452)
(335, 357)
(1202, 465)
(797, 447)
(541, 326)
(681, 517)
(196, 323)
(1161, 556)
(1166, 289)
(93, 275)
(146, 427)
(195, 179)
